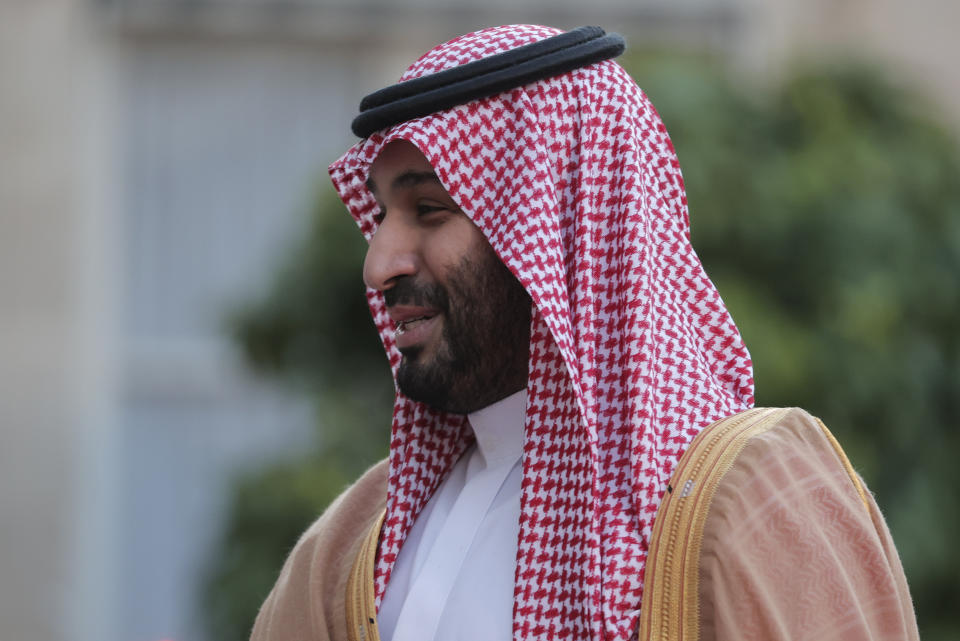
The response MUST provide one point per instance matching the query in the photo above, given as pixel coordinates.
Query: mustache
(406, 291)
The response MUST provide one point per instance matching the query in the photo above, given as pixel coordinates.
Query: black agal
(485, 77)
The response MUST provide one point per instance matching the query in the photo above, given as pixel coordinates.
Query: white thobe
(454, 576)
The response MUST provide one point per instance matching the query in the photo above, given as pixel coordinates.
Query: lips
(411, 324)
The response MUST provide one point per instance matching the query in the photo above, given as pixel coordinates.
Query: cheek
(455, 243)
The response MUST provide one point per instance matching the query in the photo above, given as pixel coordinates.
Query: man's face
(463, 320)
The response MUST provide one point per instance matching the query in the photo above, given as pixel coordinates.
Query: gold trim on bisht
(361, 604)
(670, 610)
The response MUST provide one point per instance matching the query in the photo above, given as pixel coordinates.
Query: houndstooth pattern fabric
(576, 185)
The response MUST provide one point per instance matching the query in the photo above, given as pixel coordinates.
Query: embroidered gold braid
(670, 611)
(361, 605)
(846, 464)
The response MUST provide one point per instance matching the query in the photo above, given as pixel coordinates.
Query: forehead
(397, 158)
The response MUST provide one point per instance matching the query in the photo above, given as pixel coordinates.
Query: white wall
(223, 145)
(58, 260)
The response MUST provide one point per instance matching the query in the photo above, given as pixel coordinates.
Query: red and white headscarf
(577, 187)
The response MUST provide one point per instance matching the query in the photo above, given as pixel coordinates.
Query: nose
(391, 254)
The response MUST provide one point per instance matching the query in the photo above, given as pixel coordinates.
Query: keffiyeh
(576, 186)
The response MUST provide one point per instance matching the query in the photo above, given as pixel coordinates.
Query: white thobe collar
(454, 575)
(498, 429)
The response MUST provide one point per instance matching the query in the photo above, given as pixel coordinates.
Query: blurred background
(187, 369)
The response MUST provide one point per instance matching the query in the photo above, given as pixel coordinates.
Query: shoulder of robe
(307, 601)
(782, 540)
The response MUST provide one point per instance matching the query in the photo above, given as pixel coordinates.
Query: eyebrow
(407, 180)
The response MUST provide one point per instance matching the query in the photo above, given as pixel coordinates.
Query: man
(559, 353)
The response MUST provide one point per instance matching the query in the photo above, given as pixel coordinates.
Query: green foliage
(313, 326)
(269, 512)
(827, 210)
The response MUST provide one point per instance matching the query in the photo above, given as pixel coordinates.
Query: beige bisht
(765, 533)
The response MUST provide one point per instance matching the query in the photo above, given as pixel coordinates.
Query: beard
(485, 340)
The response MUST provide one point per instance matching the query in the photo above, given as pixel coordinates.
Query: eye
(425, 209)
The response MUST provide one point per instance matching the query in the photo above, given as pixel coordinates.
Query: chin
(424, 380)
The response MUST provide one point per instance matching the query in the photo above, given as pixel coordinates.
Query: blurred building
(157, 157)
